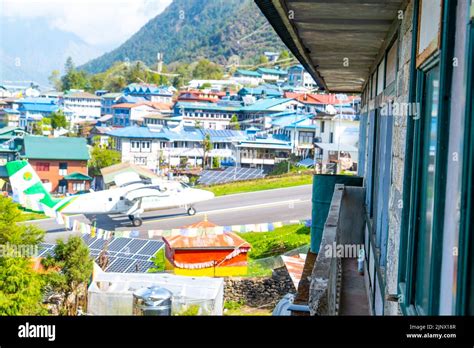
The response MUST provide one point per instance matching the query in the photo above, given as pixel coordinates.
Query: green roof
(78, 176)
(62, 148)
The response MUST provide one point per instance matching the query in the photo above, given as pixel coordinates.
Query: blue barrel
(323, 189)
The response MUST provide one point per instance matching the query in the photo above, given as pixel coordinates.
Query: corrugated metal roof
(224, 240)
(62, 148)
(265, 104)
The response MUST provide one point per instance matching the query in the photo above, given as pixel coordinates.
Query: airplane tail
(28, 190)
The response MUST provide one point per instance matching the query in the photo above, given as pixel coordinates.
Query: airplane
(131, 197)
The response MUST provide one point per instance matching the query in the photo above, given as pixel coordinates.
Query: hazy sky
(98, 22)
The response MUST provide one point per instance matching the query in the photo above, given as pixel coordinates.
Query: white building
(83, 106)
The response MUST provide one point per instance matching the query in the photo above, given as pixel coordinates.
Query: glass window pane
(431, 101)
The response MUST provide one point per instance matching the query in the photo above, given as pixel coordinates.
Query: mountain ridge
(188, 30)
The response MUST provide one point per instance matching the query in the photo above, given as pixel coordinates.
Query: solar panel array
(124, 255)
(209, 177)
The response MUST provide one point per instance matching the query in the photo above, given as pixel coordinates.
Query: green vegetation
(234, 123)
(189, 30)
(207, 70)
(73, 79)
(20, 285)
(256, 269)
(58, 120)
(73, 259)
(191, 310)
(277, 242)
(233, 305)
(159, 261)
(101, 158)
(206, 147)
(261, 184)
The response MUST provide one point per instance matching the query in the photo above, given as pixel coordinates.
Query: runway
(246, 208)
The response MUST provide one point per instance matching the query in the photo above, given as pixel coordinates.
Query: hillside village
(275, 116)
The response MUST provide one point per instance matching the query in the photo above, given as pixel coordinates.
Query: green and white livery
(131, 197)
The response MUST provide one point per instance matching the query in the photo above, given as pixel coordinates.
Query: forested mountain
(192, 29)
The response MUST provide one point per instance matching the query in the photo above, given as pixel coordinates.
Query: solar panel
(140, 267)
(151, 248)
(209, 177)
(118, 244)
(120, 264)
(135, 245)
(45, 249)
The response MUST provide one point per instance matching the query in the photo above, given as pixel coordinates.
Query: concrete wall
(344, 227)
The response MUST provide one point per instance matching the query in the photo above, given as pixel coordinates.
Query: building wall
(142, 157)
(398, 158)
(52, 175)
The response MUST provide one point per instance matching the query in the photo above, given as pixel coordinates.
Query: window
(140, 161)
(62, 186)
(391, 70)
(42, 167)
(78, 186)
(135, 146)
(306, 137)
(331, 137)
(322, 126)
(63, 168)
(145, 146)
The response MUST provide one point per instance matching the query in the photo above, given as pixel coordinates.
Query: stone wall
(259, 292)
(398, 160)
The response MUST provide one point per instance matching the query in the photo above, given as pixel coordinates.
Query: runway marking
(219, 211)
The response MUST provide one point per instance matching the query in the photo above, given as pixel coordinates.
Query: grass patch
(247, 311)
(277, 242)
(260, 184)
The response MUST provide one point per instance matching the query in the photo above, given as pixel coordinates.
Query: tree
(284, 55)
(20, 286)
(58, 120)
(73, 79)
(101, 158)
(205, 85)
(73, 259)
(55, 80)
(216, 162)
(263, 59)
(207, 70)
(13, 233)
(206, 147)
(234, 123)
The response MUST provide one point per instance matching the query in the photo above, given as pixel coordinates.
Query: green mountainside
(192, 29)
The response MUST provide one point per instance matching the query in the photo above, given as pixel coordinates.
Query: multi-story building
(108, 100)
(299, 77)
(273, 75)
(153, 93)
(248, 77)
(126, 114)
(61, 163)
(81, 107)
(206, 115)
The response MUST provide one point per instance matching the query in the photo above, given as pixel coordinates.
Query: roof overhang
(337, 41)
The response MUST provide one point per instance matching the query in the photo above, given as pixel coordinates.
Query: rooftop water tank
(152, 301)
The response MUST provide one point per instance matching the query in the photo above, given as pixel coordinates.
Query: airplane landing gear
(136, 221)
(191, 211)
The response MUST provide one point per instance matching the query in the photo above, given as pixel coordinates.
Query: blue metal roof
(136, 88)
(269, 92)
(272, 71)
(39, 100)
(11, 111)
(248, 73)
(44, 108)
(265, 104)
(137, 132)
(206, 106)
